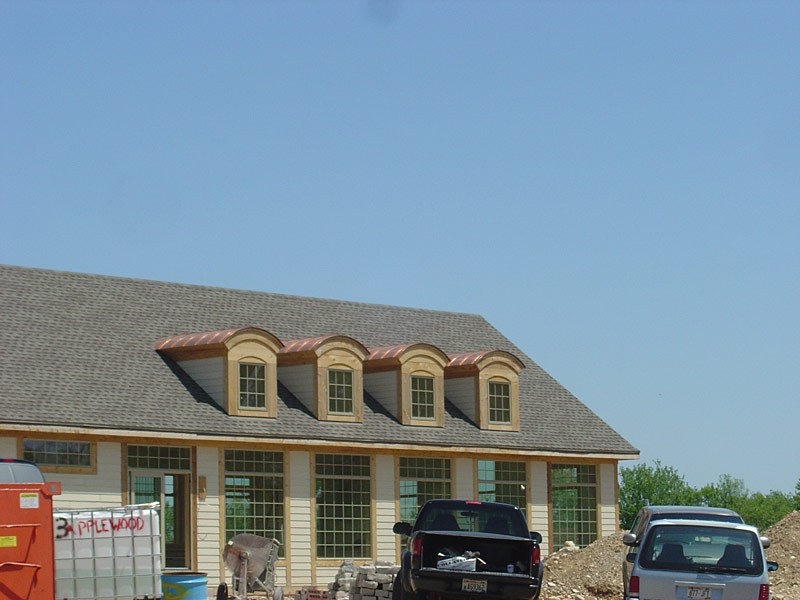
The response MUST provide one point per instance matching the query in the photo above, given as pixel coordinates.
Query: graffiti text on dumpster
(93, 527)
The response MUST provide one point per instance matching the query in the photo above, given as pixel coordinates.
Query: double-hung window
(340, 392)
(499, 402)
(252, 386)
(422, 397)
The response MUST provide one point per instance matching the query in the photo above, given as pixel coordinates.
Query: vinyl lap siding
(608, 500)
(461, 392)
(538, 519)
(298, 503)
(300, 380)
(383, 387)
(210, 526)
(385, 503)
(209, 374)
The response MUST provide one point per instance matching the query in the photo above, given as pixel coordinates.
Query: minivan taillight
(633, 586)
(763, 592)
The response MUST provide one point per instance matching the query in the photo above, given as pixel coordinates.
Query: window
(62, 455)
(340, 392)
(422, 479)
(499, 402)
(574, 497)
(343, 501)
(164, 458)
(502, 481)
(422, 398)
(254, 500)
(252, 386)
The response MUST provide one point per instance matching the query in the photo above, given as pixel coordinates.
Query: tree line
(646, 484)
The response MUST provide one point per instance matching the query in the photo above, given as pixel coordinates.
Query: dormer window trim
(252, 384)
(214, 358)
(499, 392)
(423, 396)
(409, 361)
(340, 391)
(328, 355)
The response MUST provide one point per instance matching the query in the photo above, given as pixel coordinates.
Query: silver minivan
(679, 559)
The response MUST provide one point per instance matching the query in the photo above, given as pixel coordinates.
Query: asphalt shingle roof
(76, 350)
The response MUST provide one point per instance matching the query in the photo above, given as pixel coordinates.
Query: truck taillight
(633, 586)
(416, 547)
(536, 558)
(763, 592)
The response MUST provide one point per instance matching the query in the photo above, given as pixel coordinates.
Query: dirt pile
(595, 572)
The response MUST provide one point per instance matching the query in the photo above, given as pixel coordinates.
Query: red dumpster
(27, 556)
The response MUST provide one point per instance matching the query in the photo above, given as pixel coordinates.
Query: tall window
(340, 392)
(422, 479)
(499, 402)
(254, 500)
(502, 481)
(252, 386)
(574, 496)
(422, 398)
(344, 524)
(58, 453)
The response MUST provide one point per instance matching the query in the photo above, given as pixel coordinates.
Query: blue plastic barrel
(184, 586)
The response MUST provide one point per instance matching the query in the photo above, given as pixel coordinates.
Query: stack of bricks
(367, 582)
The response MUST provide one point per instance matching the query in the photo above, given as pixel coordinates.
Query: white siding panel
(383, 387)
(8, 447)
(461, 392)
(298, 503)
(539, 514)
(209, 374)
(385, 516)
(300, 381)
(608, 500)
(465, 480)
(209, 524)
(101, 490)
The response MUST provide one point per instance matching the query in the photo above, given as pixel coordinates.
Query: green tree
(643, 485)
(728, 492)
(763, 511)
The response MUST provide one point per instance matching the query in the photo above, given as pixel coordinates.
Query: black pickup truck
(464, 549)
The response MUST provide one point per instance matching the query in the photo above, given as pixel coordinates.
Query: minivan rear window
(702, 548)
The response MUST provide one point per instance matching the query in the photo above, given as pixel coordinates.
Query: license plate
(475, 586)
(698, 593)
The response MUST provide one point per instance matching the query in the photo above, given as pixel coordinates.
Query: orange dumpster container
(27, 555)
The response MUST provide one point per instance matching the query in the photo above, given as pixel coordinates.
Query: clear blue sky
(613, 185)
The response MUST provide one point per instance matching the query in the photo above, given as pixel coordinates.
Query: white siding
(209, 374)
(608, 500)
(461, 392)
(383, 387)
(300, 381)
(209, 523)
(538, 519)
(103, 490)
(8, 447)
(464, 479)
(385, 516)
(298, 504)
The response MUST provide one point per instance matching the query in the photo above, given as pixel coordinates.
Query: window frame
(343, 486)
(335, 372)
(488, 486)
(586, 489)
(430, 394)
(261, 382)
(492, 399)
(37, 456)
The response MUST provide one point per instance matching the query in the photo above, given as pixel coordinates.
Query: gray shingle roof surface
(76, 350)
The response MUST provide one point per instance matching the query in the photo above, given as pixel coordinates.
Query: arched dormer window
(408, 380)
(485, 386)
(326, 374)
(236, 367)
